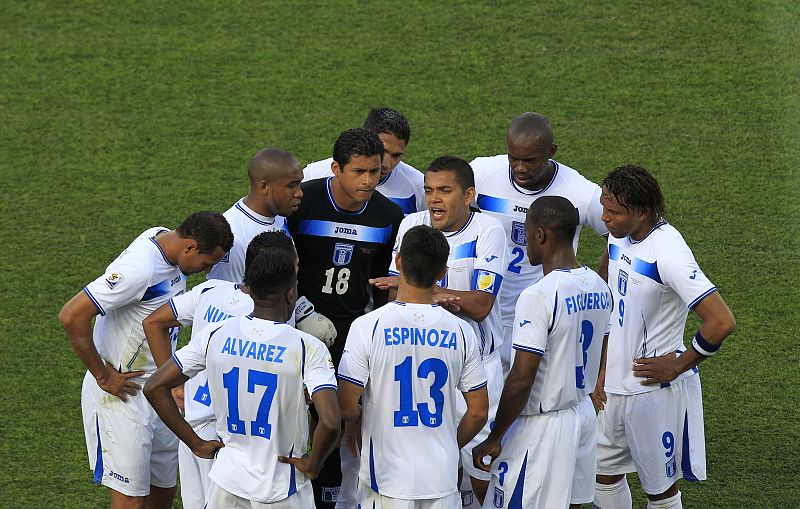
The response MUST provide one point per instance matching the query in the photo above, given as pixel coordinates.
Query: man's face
(394, 148)
(192, 261)
(619, 220)
(285, 192)
(447, 202)
(359, 177)
(529, 160)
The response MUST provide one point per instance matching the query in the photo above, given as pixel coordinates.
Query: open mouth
(437, 214)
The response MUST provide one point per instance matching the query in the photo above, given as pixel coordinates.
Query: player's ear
(441, 273)
(291, 296)
(398, 261)
(469, 196)
(335, 168)
(553, 149)
(190, 245)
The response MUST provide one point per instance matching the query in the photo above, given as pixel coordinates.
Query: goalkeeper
(210, 302)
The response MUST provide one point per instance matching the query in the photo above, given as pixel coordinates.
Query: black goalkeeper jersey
(340, 250)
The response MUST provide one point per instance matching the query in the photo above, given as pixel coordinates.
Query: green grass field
(117, 118)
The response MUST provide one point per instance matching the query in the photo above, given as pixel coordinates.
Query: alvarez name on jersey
(655, 282)
(403, 185)
(134, 285)
(245, 225)
(256, 373)
(414, 361)
(500, 197)
(477, 262)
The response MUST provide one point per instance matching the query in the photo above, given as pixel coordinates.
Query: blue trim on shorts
(292, 482)
(516, 497)
(98, 465)
(686, 461)
(373, 482)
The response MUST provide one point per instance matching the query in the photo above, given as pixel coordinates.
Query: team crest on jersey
(518, 233)
(671, 467)
(342, 253)
(466, 498)
(113, 279)
(498, 497)
(330, 495)
(622, 283)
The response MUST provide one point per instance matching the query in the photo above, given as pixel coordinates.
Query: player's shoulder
(410, 174)
(144, 255)
(414, 219)
(485, 164)
(381, 204)
(317, 169)
(667, 240)
(573, 177)
(487, 222)
(209, 284)
(319, 185)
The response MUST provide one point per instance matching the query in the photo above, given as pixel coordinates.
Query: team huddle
(373, 336)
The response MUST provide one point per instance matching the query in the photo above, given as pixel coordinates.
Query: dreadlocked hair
(636, 189)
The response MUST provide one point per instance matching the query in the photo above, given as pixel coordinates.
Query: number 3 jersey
(477, 261)
(563, 317)
(256, 373)
(655, 282)
(414, 361)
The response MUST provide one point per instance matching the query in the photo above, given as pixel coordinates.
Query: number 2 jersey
(477, 262)
(655, 282)
(257, 370)
(414, 361)
(501, 198)
(563, 318)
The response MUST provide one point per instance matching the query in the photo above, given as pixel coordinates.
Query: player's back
(414, 360)
(563, 317)
(256, 371)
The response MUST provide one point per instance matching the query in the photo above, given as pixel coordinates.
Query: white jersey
(477, 261)
(403, 185)
(245, 224)
(134, 285)
(256, 373)
(563, 317)
(413, 361)
(655, 282)
(500, 197)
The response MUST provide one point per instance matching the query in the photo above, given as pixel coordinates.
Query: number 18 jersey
(413, 360)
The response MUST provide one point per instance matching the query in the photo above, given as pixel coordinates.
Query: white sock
(613, 496)
(668, 503)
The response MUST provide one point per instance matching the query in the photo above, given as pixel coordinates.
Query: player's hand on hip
(655, 370)
(447, 301)
(488, 447)
(207, 449)
(384, 283)
(119, 384)
(302, 464)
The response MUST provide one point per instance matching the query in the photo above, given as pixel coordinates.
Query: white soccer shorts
(494, 386)
(586, 459)
(129, 447)
(370, 499)
(658, 434)
(218, 498)
(194, 470)
(536, 466)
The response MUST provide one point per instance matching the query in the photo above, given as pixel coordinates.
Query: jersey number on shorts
(342, 280)
(407, 416)
(587, 331)
(515, 266)
(259, 427)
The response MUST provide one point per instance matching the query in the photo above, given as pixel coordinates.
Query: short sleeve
(318, 369)
(191, 359)
(490, 264)
(473, 376)
(680, 272)
(122, 283)
(533, 318)
(405, 225)
(592, 214)
(354, 366)
(183, 306)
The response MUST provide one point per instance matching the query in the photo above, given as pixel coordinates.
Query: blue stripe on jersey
(516, 497)
(344, 231)
(467, 250)
(527, 349)
(555, 308)
(373, 482)
(393, 273)
(292, 480)
(477, 387)
(696, 301)
(285, 229)
(153, 240)
(351, 380)
(647, 269)
(324, 386)
(172, 307)
(156, 291)
(252, 217)
(98, 462)
(686, 461)
(177, 361)
(94, 301)
(614, 251)
(409, 205)
(203, 395)
(493, 204)
(303, 357)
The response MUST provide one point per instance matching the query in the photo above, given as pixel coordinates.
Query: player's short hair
(356, 142)
(424, 252)
(209, 229)
(463, 171)
(636, 189)
(264, 240)
(388, 121)
(555, 213)
(271, 273)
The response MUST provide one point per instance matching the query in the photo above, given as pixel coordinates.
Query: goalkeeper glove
(311, 322)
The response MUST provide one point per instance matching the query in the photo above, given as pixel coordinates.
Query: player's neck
(255, 203)
(645, 227)
(560, 258)
(168, 242)
(413, 295)
(342, 199)
(275, 313)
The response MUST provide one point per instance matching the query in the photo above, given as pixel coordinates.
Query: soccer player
(651, 418)
(544, 405)
(474, 276)
(415, 349)
(399, 181)
(344, 232)
(208, 302)
(257, 367)
(130, 449)
(507, 184)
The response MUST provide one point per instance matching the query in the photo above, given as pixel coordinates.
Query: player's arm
(598, 395)
(76, 319)
(349, 394)
(156, 330)
(602, 266)
(474, 304)
(718, 323)
(475, 418)
(158, 391)
(326, 434)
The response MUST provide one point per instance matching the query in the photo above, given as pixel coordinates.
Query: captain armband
(703, 347)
